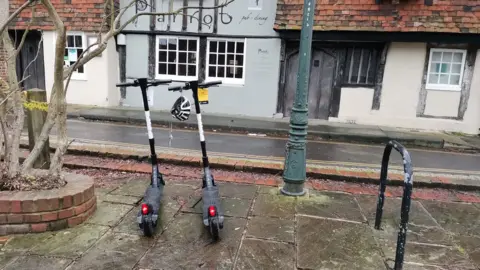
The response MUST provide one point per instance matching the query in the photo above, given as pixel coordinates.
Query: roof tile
(449, 16)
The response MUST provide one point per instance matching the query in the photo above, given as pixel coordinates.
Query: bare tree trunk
(3, 113)
(58, 94)
(12, 154)
(61, 120)
(47, 127)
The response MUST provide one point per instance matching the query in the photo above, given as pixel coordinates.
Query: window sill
(175, 78)
(442, 88)
(226, 82)
(353, 85)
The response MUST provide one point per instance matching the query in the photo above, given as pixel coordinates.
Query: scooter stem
(206, 164)
(151, 140)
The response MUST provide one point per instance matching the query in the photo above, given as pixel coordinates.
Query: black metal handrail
(406, 199)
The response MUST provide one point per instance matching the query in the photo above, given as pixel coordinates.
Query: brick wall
(453, 16)
(77, 15)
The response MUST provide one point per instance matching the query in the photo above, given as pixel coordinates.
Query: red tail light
(212, 211)
(144, 209)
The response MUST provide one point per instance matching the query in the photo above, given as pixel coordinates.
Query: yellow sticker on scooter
(203, 95)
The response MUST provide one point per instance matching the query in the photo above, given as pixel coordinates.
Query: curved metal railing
(406, 199)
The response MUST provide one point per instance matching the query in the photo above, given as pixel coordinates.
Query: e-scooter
(212, 211)
(148, 215)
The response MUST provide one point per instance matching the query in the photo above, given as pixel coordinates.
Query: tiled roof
(80, 15)
(453, 16)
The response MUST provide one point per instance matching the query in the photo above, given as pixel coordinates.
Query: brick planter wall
(48, 210)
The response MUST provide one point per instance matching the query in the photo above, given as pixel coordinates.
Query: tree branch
(24, 36)
(112, 11)
(14, 144)
(58, 93)
(75, 65)
(4, 131)
(14, 15)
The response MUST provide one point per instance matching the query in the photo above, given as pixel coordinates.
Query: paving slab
(271, 229)
(330, 205)
(240, 191)
(471, 245)
(458, 218)
(274, 205)
(331, 244)
(120, 199)
(21, 243)
(186, 244)
(109, 214)
(232, 207)
(103, 191)
(34, 262)
(180, 193)
(260, 254)
(70, 242)
(134, 187)
(442, 256)
(421, 226)
(114, 251)
(268, 190)
(5, 259)
(173, 190)
(415, 266)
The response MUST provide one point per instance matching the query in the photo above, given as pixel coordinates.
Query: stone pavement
(263, 230)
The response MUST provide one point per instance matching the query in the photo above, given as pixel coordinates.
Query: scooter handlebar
(136, 82)
(126, 84)
(208, 84)
(159, 82)
(175, 88)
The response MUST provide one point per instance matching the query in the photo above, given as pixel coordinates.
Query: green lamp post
(295, 171)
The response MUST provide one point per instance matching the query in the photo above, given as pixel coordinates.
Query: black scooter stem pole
(151, 139)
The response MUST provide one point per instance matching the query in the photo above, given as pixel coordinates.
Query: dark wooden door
(322, 73)
(30, 62)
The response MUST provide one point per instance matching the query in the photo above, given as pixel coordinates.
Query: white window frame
(75, 75)
(446, 87)
(228, 81)
(175, 77)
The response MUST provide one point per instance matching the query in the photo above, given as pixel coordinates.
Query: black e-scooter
(148, 215)
(212, 211)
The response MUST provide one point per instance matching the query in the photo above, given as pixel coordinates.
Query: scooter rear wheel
(148, 228)
(214, 229)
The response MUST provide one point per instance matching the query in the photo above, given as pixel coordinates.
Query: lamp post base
(290, 189)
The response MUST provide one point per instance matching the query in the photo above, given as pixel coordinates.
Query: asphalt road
(268, 147)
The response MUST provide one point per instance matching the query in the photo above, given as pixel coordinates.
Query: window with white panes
(226, 60)
(73, 50)
(177, 58)
(445, 69)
